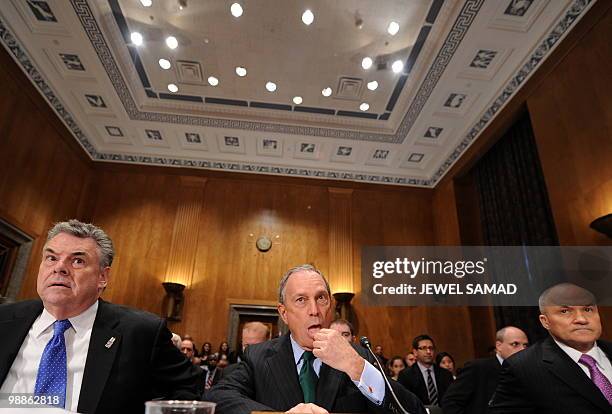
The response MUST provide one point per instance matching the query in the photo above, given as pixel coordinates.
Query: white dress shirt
(424, 369)
(371, 383)
(21, 377)
(603, 363)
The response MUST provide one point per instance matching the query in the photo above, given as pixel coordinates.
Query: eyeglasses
(426, 348)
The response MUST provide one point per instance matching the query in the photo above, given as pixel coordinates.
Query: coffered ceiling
(310, 104)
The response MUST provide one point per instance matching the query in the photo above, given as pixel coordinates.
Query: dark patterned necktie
(308, 377)
(51, 377)
(431, 389)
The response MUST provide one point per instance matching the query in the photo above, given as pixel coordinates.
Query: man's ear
(544, 322)
(282, 311)
(103, 278)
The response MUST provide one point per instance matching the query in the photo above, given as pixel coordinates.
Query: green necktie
(308, 377)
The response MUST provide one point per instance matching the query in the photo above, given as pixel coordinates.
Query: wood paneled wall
(42, 177)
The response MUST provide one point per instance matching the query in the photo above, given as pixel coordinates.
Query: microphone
(365, 342)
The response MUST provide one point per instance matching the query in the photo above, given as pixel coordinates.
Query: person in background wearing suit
(426, 380)
(252, 333)
(345, 328)
(187, 349)
(311, 369)
(91, 355)
(471, 392)
(570, 371)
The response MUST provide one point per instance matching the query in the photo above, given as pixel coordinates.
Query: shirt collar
(297, 351)
(499, 358)
(575, 355)
(423, 368)
(80, 323)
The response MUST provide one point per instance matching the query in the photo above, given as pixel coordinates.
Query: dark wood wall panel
(42, 178)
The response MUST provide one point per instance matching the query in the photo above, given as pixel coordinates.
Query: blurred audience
(446, 361)
(395, 365)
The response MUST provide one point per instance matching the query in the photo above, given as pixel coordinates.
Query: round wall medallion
(263, 244)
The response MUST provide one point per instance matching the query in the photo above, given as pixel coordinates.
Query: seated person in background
(345, 328)
(409, 359)
(311, 369)
(223, 349)
(570, 371)
(395, 365)
(252, 333)
(92, 355)
(223, 362)
(187, 348)
(206, 351)
(213, 373)
(446, 361)
(428, 381)
(471, 392)
(378, 350)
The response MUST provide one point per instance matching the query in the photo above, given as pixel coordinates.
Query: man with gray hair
(471, 392)
(568, 372)
(311, 369)
(74, 350)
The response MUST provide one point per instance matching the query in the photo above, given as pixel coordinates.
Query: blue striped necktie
(51, 378)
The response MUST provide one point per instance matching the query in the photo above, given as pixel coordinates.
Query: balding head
(565, 294)
(254, 333)
(509, 340)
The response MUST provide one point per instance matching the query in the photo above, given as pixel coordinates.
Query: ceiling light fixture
(364, 106)
(171, 42)
(397, 66)
(165, 64)
(212, 81)
(146, 3)
(393, 28)
(236, 10)
(271, 86)
(240, 71)
(136, 38)
(172, 87)
(327, 91)
(307, 17)
(366, 62)
(372, 85)
(297, 100)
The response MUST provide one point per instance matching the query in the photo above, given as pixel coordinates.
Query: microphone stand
(365, 342)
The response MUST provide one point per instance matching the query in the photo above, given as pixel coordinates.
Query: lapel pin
(110, 342)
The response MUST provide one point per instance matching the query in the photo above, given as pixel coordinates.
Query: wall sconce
(172, 307)
(343, 305)
(603, 225)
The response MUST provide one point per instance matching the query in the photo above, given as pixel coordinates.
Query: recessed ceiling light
(364, 106)
(271, 86)
(327, 91)
(366, 62)
(236, 10)
(372, 85)
(397, 66)
(165, 64)
(307, 17)
(240, 71)
(297, 100)
(172, 87)
(136, 38)
(171, 42)
(146, 3)
(212, 81)
(393, 28)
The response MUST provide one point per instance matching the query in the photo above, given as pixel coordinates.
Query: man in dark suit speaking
(88, 355)
(312, 369)
(567, 373)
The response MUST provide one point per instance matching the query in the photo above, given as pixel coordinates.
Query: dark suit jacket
(267, 380)
(545, 380)
(471, 392)
(413, 380)
(141, 364)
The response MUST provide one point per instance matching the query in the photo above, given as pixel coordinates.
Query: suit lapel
(568, 371)
(18, 325)
(282, 367)
(327, 387)
(100, 357)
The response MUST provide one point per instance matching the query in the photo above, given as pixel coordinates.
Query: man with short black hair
(91, 355)
(345, 328)
(187, 348)
(425, 379)
(570, 371)
(471, 392)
